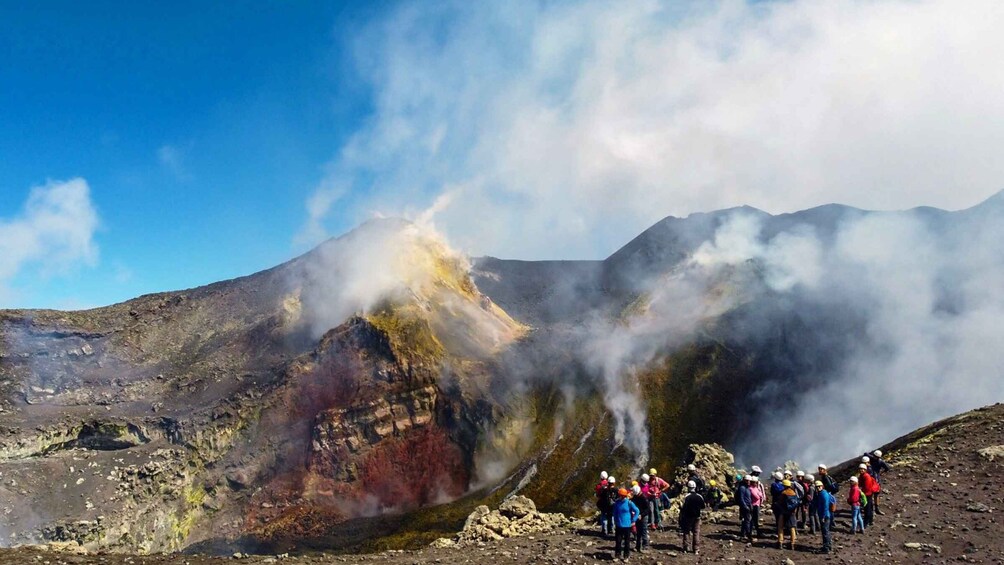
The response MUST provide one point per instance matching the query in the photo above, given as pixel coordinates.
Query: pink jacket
(757, 494)
(854, 496)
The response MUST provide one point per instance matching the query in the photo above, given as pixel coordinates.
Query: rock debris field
(942, 504)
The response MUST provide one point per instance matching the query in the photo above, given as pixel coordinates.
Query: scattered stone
(992, 452)
(916, 546)
(978, 507)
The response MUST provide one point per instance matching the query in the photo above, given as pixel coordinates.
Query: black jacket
(690, 512)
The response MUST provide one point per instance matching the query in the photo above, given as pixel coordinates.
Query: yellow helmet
(713, 483)
(652, 471)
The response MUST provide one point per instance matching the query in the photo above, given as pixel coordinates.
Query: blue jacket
(625, 513)
(821, 503)
(745, 497)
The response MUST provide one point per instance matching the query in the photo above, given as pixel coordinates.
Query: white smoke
(565, 128)
(930, 294)
(382, 259)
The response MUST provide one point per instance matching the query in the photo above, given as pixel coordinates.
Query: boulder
(516, 516)
(713, 462)
(517, 507)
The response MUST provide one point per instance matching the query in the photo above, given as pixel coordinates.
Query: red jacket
(869, 485)
(656, 485)
(603, 484)
(854, 496)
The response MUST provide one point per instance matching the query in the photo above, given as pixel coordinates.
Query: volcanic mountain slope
(941, 501)
(381, 379)
(176, 417)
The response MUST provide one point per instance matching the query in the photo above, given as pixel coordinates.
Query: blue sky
(200, 128)
(157, 146)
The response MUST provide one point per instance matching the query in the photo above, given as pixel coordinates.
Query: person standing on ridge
(759, 496)
(643, 501)
(604, 503)
(695, 477)
(690, 517)
(878, 466)
(869, 487)
(744, 498)
(790, 501)
(854, 500)
(810, 495)
(830, 484)
(804, 489)
(822, 508)
(612, 494)
(660, 499)
(625, 515)
(777, 503)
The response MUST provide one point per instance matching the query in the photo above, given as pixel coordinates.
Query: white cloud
(54, 232)
(572, 126)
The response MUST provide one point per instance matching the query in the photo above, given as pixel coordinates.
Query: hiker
(715, 496)
(805, 491)
(744, 497)
(612, 493)
(830, 484)
(695, 477)
(822, 508)
(660, 499)
(799, 490)
(625, 515)
(810, 495)
(854, 500)
(789, 503)
(869, 487)
(690, 517)
(644, 503)
(878, 466)
(604, 503)
(759, 496)
(777, 501)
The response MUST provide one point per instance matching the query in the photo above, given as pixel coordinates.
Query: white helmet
(877, 453)
(645, 477)
(757, 470)
(612, 480)
(749, 478)
(863, 467)
(691, 485)
(778, 475)
(821, 466)
(800, 474)
(636, 490)
(854, 479)
(865, 459)
(604, 475)
(810, 478)
(691, 467)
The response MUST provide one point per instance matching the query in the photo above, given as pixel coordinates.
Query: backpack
(831, 485)
(793, 503)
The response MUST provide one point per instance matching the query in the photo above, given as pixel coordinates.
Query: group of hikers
(797, 501)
